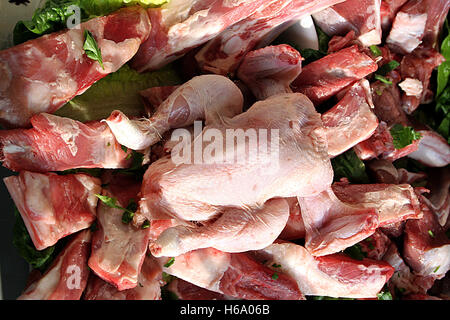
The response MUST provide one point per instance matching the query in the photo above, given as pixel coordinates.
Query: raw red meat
(57, 144)
(41, 75)
(53, 206)
(323, 78)
(67, 276)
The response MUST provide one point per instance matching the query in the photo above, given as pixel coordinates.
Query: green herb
(276, 265)
(436, 270)
(382, 79)
(170, 262)
(355, 252)
(91, 48)
(323, 39)
(348, 165)
(403, 136)
(145, 225)
(167, 278)
(386, 68)
(384, 295)
(431, 233)
(275, 276)
(375, 50)
(129, 211)
(125, 149)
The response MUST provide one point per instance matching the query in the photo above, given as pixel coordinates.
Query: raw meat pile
(217, 229)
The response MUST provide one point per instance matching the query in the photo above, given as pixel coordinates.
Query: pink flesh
(54, 206)
(66, 278)
(393, 202)
(363, 17)
(118, 249)
(323, 78)
(57, 144)
(41, 75)
(332, 225)
(148, 287)
(351, 120)
(223, 54)
(172, 34)
(334, 275)
(270, 70)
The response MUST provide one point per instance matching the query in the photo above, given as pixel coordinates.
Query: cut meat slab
(323, 78)
(181, 25)
(41, 75)
(238, 275)
(270, 70)
(53, 206)
(363, 17)
(223, 54)
(393, 202)
(57, 144)
(67, 276)
(335, 275)
(351, 120)
(332, 225)
(148, 288)
(118, 248)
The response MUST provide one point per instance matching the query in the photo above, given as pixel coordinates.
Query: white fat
(407, 30)
(92, 189)
(12, 148)
(372, 37)
(412, 87)
(37, 198)
(68, 130)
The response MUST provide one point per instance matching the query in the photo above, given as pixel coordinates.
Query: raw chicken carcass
(118, 249)
(300, 167)
(207, 97)
(351, 120)
(181, 25)
(53, 206)
(67, 276)
(41, 75)
(323, 78)
(361, 16)
(148, 288)
(233, 274)
(335, 275)
(223, 54)
(270, 70)
(57, 144)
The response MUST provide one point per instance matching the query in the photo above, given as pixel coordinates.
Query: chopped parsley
(375, 50)
(145, 225)
(382, 79)
(275, 276)
(91, 48)
(436, 270)
(170, 262)
(431, 233)
(386, 68)
(355, 252)
(276, 265)
(129, 211)
(403, 136)
(384, 295)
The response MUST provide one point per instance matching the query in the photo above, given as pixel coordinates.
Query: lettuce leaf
(53, 15)
(24, 245)
(117, 91)
(348, 165)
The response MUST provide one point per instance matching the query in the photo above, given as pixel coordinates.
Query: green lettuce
(39, 259)
(117, 91)
(348, 165)
(53, 15)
